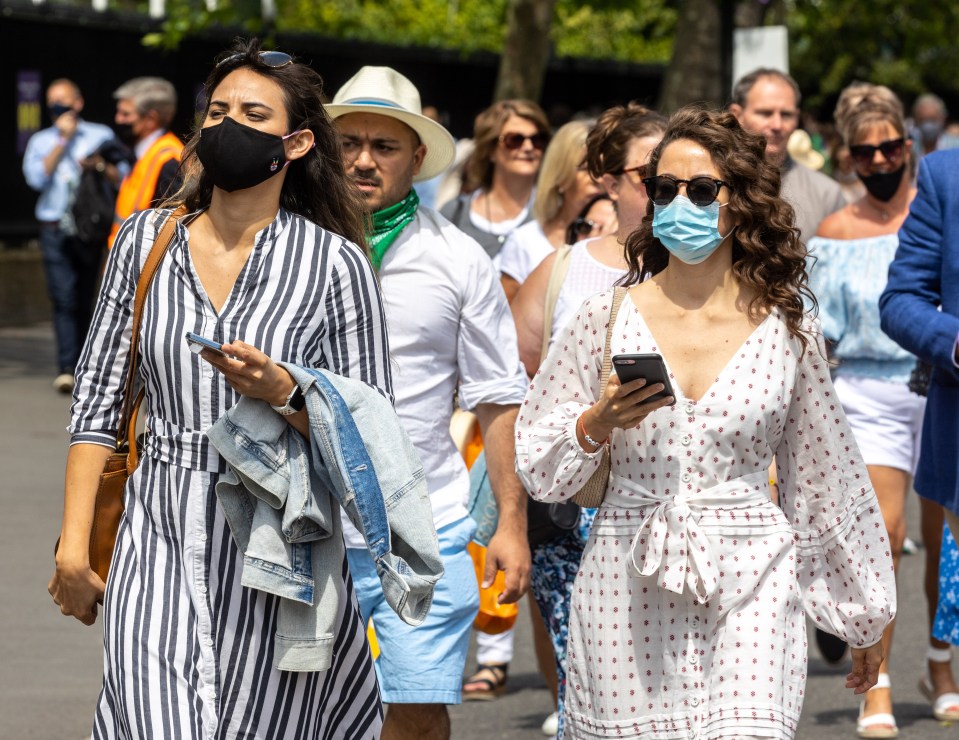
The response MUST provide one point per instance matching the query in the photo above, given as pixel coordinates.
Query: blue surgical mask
(688, 231)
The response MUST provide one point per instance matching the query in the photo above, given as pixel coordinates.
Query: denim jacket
(281, 497)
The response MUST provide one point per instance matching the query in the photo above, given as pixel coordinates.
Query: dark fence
(99, 51)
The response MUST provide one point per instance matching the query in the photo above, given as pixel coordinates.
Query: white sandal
(882, 725)
(945, 707)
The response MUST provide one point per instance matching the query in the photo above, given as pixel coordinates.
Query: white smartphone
(197, 344)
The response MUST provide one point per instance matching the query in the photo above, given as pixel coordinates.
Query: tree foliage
(911, 47)
(624, 30)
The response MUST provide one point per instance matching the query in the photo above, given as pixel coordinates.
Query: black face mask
(883, 185)
(57, 109)
(124, 132)
(237, 157)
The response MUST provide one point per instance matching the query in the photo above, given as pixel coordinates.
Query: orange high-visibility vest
(137, 191)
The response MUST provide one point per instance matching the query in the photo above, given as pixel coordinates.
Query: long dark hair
(316, 185)
(768, 256)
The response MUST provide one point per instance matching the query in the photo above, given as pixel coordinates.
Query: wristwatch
(296, 401)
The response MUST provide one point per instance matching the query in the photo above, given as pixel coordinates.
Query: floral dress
(688, 613)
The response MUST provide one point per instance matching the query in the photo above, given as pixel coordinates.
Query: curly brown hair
(486, 132)
(768, 256)
(316, 185)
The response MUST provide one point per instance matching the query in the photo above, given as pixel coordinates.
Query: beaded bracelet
(589, 440)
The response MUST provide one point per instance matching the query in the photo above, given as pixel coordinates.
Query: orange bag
(492, 618)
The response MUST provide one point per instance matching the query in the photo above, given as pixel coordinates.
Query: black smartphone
(198, 344)
(650, 366)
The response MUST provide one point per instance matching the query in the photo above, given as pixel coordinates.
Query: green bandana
(387, 225)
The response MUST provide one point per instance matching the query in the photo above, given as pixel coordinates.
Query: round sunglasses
(863, 154)
(514, 140)
(663, 189)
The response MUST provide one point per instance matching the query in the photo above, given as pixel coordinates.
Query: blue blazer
(919, 309)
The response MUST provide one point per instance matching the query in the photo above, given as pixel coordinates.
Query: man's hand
(66, 124)
(508, 551)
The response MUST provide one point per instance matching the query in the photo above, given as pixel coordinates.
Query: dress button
(202, 536)
(687, 439)
(693, 659)
(689, 408)
(201, 589)
(686, 477)
(694, 701)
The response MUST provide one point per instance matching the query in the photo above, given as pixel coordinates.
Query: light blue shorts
(424, 664)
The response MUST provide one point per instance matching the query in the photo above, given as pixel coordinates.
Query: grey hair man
(766, 101)
(145, 110)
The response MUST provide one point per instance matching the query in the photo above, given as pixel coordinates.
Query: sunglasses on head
(516, 140)
(663, 189)
(273, 59)
(891, 149)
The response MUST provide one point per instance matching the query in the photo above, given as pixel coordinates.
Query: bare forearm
(50, 161)
(496, 423)
(84, 464)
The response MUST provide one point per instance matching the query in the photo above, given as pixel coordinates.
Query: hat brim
(812, 159)
(440, 147)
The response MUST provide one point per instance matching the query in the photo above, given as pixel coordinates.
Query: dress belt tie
(669, 540)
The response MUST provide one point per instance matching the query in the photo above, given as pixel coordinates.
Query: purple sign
(29, 99)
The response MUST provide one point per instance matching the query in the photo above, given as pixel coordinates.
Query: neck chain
(489, 216)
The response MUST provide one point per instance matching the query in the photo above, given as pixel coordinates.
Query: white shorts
(886, 419)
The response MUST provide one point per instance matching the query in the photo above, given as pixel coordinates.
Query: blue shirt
(847, 276)
(57, 188)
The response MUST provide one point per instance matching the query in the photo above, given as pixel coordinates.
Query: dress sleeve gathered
(549, 459)
(102, 369)
(844, 558)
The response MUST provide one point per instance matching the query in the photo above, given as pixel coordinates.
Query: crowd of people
(756, 480)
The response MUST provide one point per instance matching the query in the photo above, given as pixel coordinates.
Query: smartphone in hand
(197, 344)
(650, 366)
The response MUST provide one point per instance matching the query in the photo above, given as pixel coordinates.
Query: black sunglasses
(702, 191)
(273, 59)
(891, 149)
(516, 140)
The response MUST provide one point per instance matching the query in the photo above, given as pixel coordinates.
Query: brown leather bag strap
(126, 428)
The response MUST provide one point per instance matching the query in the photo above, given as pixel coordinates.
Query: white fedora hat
(386, 92)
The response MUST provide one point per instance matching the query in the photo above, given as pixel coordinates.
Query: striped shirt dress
(188, 651)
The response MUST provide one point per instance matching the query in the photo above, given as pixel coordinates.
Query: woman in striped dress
(258, 264)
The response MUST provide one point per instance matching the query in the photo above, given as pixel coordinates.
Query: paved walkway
(50, 665)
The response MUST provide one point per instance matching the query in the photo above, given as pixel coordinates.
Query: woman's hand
(77, 590)
(252, 373)
(865, 668)
(620, 407)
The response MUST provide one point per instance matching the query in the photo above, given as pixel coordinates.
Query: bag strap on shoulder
(126, 429)
(618, 294)
(556, 278)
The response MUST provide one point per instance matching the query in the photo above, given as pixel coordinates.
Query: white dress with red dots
(688, 614)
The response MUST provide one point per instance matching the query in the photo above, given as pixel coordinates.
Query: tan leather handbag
(120, 465)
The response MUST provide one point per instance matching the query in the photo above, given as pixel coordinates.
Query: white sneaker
(63, 382)
(550, 725)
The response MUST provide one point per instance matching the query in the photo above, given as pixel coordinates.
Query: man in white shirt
(450, 332)
(766, 102)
